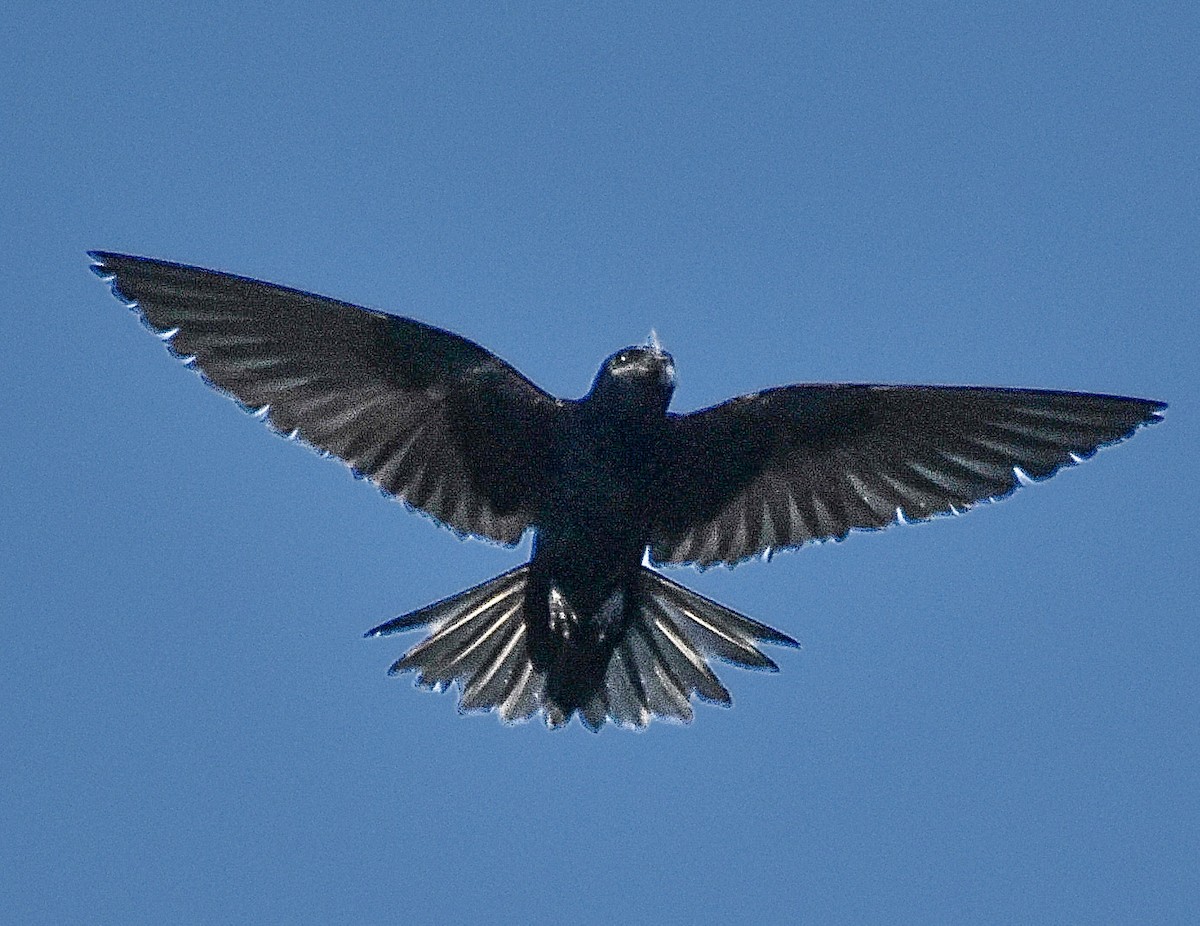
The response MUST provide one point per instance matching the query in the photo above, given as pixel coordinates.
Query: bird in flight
(608, 483)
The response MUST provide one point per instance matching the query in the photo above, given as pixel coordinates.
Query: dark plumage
(585, 627)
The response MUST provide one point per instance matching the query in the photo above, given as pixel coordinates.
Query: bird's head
(642, 377)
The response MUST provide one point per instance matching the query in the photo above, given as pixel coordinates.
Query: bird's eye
(623, 358)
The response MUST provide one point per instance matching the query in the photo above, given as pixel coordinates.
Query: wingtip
(107, 257)
(99, 263)
(107, 263)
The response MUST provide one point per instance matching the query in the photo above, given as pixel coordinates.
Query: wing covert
(430, 417)
(799, 463)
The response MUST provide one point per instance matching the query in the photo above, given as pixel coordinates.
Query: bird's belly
(587, 564)
(602, 505)
(593, 532)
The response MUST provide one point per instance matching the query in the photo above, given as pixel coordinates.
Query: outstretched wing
(430, 417)
(782, 467)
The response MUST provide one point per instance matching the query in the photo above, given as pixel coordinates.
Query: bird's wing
(798, 463)
(430, 417)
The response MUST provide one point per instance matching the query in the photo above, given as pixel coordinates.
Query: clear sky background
(993, 718)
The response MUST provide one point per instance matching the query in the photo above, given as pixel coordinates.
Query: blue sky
(993, 717)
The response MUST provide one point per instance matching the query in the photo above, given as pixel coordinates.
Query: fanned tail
(478, 640)
(664, 657)
(652, 664)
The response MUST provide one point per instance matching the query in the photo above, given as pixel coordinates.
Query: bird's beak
(666, 363)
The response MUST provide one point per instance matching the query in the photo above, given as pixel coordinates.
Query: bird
(611, 485)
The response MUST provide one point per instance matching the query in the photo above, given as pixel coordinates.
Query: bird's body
(603, 482)
(586, 627)
(591, 536)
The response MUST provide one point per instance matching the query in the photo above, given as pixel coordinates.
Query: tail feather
(479, 640)
(668, 697)
(686, 665)
(463, 647)
(493, 683)
(440, 611)
(593, 712)
(469, 629)
(622, 691)
(526, 696)
(712, 628)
